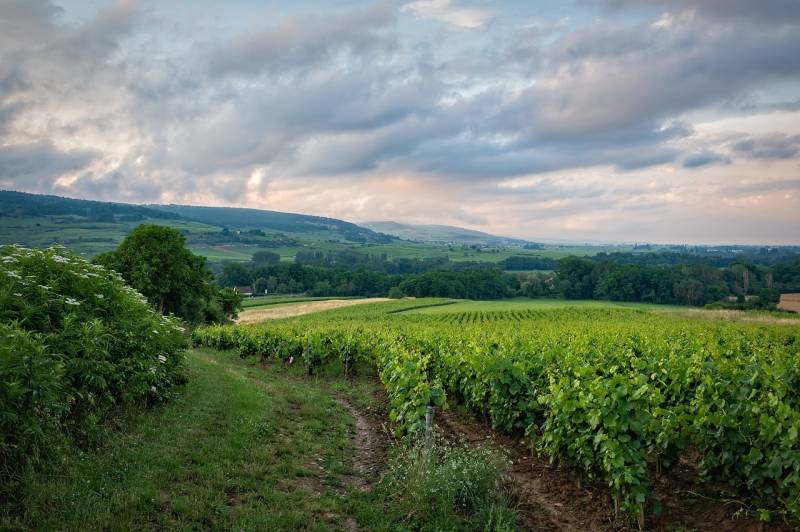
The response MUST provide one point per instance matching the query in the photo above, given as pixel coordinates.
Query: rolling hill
(440, 234)
(226, 233)
(273, 221)
(93, 227)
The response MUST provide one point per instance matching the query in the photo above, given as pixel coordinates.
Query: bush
(76, 346)
(395, 293)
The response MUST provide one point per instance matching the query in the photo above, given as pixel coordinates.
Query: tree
(575, 278)
(155, 261)
(266, 257)
(261, 286)
(235, 274)
(689, 291)
(272, 283)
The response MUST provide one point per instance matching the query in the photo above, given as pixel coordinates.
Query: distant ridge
(13, 203)
(246, 218)
(24, 204)
(439, 233)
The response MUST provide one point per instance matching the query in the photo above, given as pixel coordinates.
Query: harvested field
(298, 309)
(735, 315)
(790, 302)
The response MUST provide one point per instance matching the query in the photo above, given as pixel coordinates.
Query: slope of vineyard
(614, 393)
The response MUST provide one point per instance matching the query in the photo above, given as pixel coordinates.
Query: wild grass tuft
(444, 486)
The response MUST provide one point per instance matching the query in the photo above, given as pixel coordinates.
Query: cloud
(603, 79)
(704, 158)
(449, 12)
(305, 41)
(764, 186)
(763, 11)
(362, 110)
(773, 146)
(33, 165)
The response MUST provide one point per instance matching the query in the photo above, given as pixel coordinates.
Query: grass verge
(243, 447)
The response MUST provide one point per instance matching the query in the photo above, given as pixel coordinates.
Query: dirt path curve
(289, 310)
(370, 444)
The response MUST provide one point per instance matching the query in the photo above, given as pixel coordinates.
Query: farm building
(246, 291)
(790, 302)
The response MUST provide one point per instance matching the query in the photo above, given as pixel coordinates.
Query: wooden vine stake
(616, 505)
(429, 413)
(641, 516)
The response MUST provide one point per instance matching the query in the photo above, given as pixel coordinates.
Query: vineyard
(615, 394)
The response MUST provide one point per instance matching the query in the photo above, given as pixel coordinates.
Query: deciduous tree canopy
(154, 260)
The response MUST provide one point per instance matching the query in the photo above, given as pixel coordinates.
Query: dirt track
(289, 310)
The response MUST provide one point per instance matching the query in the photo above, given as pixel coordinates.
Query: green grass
(243, 447)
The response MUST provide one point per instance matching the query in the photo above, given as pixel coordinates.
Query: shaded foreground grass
(219, 456)
(243, 447)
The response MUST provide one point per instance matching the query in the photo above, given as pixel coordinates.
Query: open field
(533, 304)
(265, 301)
(790, 302)
(749, 316)
(288, 310)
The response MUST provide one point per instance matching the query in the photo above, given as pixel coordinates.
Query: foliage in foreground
(76, 346)
(609, 392)
(154, 260)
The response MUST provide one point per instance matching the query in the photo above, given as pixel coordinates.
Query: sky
(669, 121)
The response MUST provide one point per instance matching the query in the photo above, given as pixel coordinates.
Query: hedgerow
(76, 347)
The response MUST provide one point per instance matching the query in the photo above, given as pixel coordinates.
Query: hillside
(273, 221)
(226, 233)
(93, 227)
(440, 234)
(22, 204)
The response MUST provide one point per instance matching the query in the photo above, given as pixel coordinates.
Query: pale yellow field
(298, 309)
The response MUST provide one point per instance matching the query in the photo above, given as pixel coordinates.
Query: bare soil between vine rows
(548, 497)
(553, 498)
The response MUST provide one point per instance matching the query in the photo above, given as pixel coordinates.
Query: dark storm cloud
(603, 79)
(7, 113)
(704, 158)
(32, 36)
(770, 11)
(760, 187)
(33, 165)
(774, 146)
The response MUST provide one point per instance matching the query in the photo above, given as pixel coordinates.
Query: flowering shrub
(76, 345)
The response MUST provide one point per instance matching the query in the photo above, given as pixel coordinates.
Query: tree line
(359, 274)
